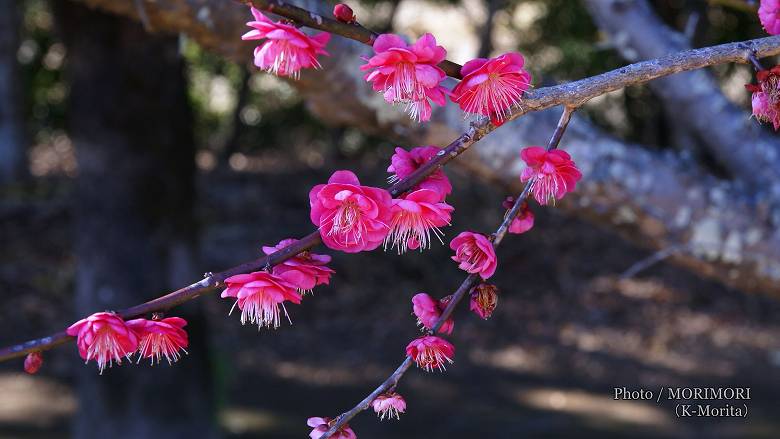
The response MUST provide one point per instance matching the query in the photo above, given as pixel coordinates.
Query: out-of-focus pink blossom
(404, 163)
(766, 96)
(158, 339)
(431, 352)
(286, 49)
(484, 299)
(428, 310)
(389, 405)
(408, 73)
(769, 14)
(344, 13)
(350, 217)
(491, 87)
(321, 425)
(475, 254)
(33, 362)
(305, 270)
(105, 338)
(524, 220)
(416, 216)
(259, 295)
(552, 173)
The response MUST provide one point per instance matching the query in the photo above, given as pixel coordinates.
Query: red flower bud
(33, 362)
(344, 13)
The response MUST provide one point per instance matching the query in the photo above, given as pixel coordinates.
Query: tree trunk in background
(131, 124)
(13, 158)
(486, 30)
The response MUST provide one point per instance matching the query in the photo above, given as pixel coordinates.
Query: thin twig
(651, 260)
(353, 31)
(466, 286)
(754, 61)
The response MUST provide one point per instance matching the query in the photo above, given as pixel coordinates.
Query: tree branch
(466, 286)
(693, 99)
(571, 95)
(353, 31)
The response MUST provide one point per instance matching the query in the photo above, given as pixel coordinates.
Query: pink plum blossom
(160, 338)
(389, 405)
(428, 310)
(766, 96)
(305, 270)
(105, 338)
(769, 14)
(259, 295)
(552, 173)
(286, 49)
(524, 220)
(431, 352)
(416, 216)
(408, 73)
(33, 362)
(484, 299)
(403, 163)
(351, 218)
(321, 425)
(475, 254)
(491, 87)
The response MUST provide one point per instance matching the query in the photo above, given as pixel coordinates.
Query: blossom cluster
(407, 74)
(106, 338)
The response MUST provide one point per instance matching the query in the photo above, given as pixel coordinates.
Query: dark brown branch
(353, 31)
(466, 286)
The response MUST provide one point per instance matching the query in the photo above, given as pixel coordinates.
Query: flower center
(405, 86)
(105, 349)
(347, 222)
(495, 96)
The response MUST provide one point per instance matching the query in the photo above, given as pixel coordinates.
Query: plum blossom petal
(769, 15)
(552, 173)
(431, 352)
(286, 50)
(105, 338)
(259, 296)
(351, 217)
(160, 338)
(492, 87)
(408, 74)
(475, 254)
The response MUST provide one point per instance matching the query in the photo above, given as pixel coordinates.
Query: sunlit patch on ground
(33, 400)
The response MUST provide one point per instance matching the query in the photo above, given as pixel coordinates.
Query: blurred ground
(566, 332)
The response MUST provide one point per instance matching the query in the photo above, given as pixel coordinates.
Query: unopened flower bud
(344, 13)
(484, 298)
(33, 362)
